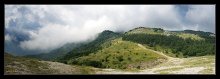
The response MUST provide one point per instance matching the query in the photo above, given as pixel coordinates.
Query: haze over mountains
(32, 29)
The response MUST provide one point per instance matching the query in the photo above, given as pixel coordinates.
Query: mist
(51, 26)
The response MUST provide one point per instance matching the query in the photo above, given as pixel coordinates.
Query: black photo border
(110, 2)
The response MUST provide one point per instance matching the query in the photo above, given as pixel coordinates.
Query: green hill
(110, 51)
(121, 51)
(120, 55)
(91, 47)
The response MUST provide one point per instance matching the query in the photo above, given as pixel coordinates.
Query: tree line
(174, 44)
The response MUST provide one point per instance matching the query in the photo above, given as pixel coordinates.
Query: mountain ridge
(159, 40)
(137, 49)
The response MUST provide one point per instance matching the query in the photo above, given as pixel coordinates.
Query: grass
(164, 72)
(16, 65)
(200, 61)
(206, 71)
(120, 55)
(21, 65)
(191, 36)
(85, 69)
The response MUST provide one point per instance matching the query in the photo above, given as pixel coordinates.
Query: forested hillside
(177, 44)
(113, 50)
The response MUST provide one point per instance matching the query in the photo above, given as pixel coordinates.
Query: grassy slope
(121, 55)
(192, 65)
(90, 47)
(21, 65)
(124, 54)
(197, 65)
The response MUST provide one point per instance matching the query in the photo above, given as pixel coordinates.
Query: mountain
(138, 48)
(62, 51)
(93, 46)
(173, 43)
(123, 51)
(120, 55)
(110, 51)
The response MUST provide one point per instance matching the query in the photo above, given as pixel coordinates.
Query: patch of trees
(158, 30)
(200, 33)
(175, 44)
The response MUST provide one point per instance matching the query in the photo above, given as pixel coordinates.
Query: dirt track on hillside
(172, 66)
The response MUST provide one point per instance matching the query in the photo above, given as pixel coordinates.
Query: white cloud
(7, 38)
(61, 24)
(203, 16)
(55, 35)
(52, 36)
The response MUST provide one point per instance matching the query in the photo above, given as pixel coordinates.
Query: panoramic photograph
(109, 39)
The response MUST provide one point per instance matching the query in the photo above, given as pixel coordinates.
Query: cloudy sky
(51, 26)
